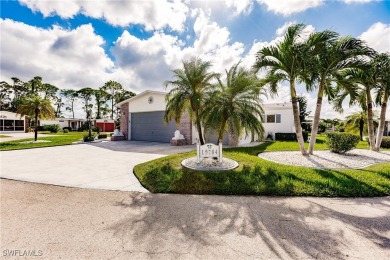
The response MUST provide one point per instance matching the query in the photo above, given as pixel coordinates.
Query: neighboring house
(73, 123)
(106, 125)
(142, 119)
(12, 122)
(278, 118)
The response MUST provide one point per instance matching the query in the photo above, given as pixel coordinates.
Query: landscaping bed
(256, 176)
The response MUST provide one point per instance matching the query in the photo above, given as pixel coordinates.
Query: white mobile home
(12, 122)
(142, 118)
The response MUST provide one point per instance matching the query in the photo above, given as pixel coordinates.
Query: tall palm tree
(286, 62)
(112, 87)
(334, 55)
(383, 94)
(71, 96)
(235, 105)
(187, 91)
(358, 85)
(37, 107)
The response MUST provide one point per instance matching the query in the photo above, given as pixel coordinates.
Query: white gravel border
(355, 159)
(209, 164)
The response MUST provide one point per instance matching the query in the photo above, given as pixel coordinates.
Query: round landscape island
(209, 164)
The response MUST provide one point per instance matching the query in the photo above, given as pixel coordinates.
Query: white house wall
(286, 124)
(54, 122)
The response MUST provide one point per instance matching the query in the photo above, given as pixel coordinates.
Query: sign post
(208, 150)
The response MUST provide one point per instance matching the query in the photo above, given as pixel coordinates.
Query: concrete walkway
(69, 223)
(100, 166)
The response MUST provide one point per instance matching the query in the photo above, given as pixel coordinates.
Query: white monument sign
(209, 150)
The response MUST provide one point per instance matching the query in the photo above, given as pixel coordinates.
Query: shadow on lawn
(252, 227)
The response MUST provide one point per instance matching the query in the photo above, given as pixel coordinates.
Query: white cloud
(240, 6)
(288, 7)
(378, 37)
(65, 58)
(155, 14)
(151, 60)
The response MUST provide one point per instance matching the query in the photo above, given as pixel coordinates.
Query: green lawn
(4, 136)
(256, 176)
(57, 139)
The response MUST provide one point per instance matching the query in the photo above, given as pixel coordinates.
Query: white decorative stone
(117, 133)
(178, 136)
(209, 164)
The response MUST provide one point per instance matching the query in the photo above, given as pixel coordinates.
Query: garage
(150, 126)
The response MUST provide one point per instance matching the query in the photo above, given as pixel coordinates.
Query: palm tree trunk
(382, 121)
(297, 122)
(370, 123)
(316, 119)
(73, 109)
(112, 108)
(220, 133)
(36, 125)
(199, 127)
(361, 128)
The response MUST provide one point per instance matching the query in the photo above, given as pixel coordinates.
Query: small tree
(86, 94)
(71, 96)
(37, 107)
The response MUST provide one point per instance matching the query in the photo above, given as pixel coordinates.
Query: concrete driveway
(71, 223)
(106, 165)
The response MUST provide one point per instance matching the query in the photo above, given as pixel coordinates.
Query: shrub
(341, 142)
(53, 128)
(290, 136)
(96, 129)
(67, 128)
(90, 138)
(385, 142)
(103, 135)
(66, 131)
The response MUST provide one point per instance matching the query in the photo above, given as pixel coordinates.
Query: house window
(275, 118)
(270, 118)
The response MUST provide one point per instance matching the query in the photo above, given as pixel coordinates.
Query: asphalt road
(74, 223)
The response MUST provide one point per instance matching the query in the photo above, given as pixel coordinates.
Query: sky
(85, 43)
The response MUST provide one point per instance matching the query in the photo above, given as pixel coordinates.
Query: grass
(256, 176)
(56, 140)
(4, 136)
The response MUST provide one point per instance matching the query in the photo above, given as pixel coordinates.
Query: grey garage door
(149, 126)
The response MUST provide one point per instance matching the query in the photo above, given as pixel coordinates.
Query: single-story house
(106, 125)
(12, 122)
(73, 123)
(142, 119)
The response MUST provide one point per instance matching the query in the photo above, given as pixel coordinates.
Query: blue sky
(76, 43)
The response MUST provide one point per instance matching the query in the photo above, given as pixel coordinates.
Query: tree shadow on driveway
(191, 226)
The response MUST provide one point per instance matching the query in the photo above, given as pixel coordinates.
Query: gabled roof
(146, 92)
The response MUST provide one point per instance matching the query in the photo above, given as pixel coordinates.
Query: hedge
(290, 136)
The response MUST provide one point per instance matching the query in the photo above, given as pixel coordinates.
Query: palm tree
(36, 107)
(383, 94)
(112, 87)
(358, 85)
(187, 92)
(286, 62)
(235, 105)
(71, 96)
(356, 121)
(334, 55)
